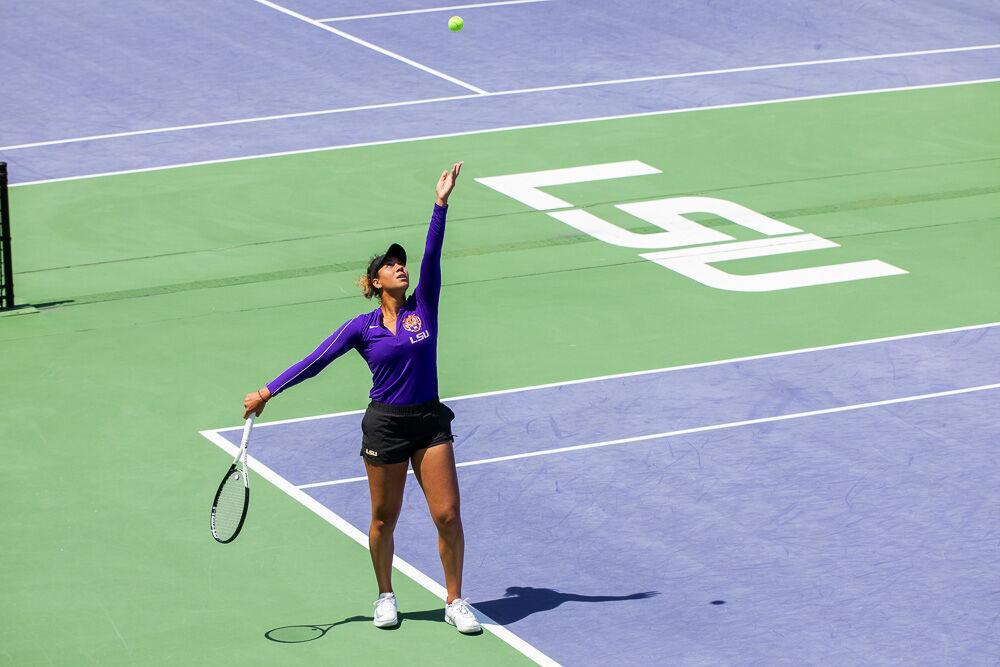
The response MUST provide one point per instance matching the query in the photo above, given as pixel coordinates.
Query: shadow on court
(517, 603)
(435, 615)
(523, 601)
(296, 634)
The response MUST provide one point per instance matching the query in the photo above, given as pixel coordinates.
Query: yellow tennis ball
(455, 23)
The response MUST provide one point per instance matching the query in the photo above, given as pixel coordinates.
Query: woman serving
(405, 422)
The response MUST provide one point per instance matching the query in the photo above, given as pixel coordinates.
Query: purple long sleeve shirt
(404, 364)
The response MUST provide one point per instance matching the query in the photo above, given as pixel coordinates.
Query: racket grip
(246, 429)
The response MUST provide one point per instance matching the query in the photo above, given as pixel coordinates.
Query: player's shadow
(518, 602)
(522, 601)
(434, 615)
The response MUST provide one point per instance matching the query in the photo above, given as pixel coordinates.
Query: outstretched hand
(446, 183)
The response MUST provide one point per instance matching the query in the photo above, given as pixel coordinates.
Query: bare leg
(434, 468)
(385, 482)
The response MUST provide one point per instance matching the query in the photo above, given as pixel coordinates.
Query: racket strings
(229, 507)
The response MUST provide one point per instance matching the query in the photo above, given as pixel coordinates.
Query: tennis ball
(455, 23)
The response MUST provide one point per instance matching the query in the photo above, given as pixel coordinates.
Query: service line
(688, 431)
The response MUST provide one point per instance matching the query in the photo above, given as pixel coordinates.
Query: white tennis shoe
(460, 614)
(385, 611)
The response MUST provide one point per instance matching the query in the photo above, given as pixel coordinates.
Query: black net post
(7, 283)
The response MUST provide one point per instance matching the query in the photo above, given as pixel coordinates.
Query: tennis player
(405, 422)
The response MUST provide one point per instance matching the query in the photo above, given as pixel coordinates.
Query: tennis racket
(229, 508)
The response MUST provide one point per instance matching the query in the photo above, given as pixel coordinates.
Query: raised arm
(429, 286)
(336, 344)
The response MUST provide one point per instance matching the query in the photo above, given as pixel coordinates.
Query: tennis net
(7, 272)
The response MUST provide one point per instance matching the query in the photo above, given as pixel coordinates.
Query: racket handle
(246, 429)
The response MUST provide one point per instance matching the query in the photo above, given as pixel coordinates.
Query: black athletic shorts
(392, 433)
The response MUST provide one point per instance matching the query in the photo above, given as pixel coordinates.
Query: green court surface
(177, 291)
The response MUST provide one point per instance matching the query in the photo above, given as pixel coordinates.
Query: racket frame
(241, 459)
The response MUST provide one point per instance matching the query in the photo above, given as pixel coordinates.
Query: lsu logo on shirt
(412, 323)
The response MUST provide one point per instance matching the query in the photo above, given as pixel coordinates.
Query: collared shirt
(404, 364)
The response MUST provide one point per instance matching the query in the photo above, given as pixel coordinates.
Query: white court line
(432, 9)
(386, 52)
(238, 121)
(403, 566)
(384, 142)
(499, 93)
(757, 68)
(667, 369)
(688, 431)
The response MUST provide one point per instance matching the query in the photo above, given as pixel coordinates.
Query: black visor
(395, 251)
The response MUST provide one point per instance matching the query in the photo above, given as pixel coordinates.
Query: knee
(448, 520)
(383, 520)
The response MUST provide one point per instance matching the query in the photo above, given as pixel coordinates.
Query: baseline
(652, 371)
(626, 409)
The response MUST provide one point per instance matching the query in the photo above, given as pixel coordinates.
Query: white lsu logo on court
(668, 214)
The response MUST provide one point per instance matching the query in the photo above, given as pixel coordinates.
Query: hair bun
(365, 285)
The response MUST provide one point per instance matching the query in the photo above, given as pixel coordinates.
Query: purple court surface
(832, 504)
(154, 85)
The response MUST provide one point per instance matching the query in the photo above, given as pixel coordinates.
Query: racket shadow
(297, 634)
